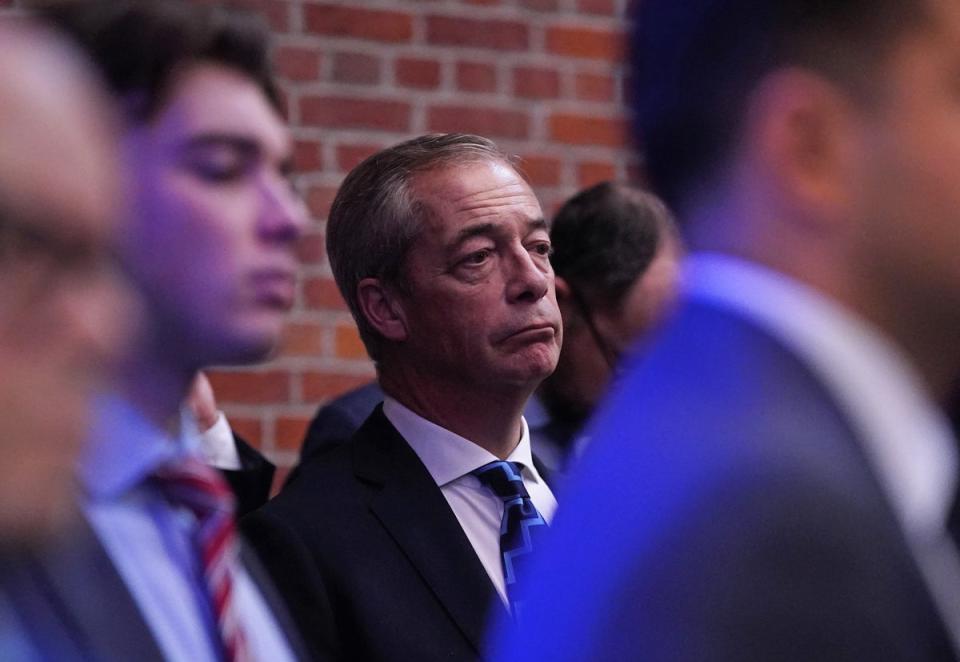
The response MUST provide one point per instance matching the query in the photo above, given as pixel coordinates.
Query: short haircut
(696, 63)
(376, 217)
(604, 239)
(139, 46)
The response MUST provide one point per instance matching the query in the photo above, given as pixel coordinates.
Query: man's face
(214, 218)
(911, 189)
(480, 306)
(65, 315)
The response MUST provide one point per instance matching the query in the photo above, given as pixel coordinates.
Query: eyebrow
(486, 229)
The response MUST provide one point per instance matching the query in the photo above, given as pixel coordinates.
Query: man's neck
(156, 386)
(489, 419)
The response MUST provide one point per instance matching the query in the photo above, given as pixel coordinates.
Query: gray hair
(375, 217)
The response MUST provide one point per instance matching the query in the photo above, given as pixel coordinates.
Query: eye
(478, 257)
(543, 248)
(218, 171)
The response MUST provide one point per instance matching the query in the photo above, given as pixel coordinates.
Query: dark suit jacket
(74, 605)
(252, 481)
(726, 511)
(372, 559)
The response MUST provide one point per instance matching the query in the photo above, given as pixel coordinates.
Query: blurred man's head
(64, 314)
(441, 251)
(616, 259)
(213, 215)
(820, 139)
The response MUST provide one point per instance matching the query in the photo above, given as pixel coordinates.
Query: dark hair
(696, 62)
(605, 237)
(376, 217)
(140, 45)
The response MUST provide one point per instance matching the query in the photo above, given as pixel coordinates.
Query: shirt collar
(905, 435)
(124, 448)
(446, 455)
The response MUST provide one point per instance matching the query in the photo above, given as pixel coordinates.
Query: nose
(530, 277)
(283, 215)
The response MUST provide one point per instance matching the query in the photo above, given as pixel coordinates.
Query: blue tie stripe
(521, 525)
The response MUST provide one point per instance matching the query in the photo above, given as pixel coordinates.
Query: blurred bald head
(61, 305)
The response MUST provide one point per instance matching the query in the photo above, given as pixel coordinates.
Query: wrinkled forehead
(487, 191)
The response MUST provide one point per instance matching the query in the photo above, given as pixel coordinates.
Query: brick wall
(541, 77)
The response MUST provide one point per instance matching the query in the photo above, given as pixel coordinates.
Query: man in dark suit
(616, 259)
(775, 480)
(389, 547)
(155, 570)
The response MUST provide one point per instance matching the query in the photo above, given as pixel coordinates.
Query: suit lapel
(413, 510)
(91, 599)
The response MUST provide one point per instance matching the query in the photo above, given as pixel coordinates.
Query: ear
(382, 309)
(562, 288)
(569, 312)
(804, 129)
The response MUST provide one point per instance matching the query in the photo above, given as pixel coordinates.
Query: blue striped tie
(521, 527)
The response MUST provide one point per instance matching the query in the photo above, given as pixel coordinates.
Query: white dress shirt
(906, 437)
(449, 458)
(149, 542)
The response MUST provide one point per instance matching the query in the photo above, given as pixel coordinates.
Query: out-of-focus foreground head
(63, 310)
(617, 263)
(213, 217)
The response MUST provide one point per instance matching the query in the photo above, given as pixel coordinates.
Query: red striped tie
(191, 484)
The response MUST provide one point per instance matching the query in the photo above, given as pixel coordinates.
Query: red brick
(594, 172)
(374, 24)
(572, 129)
(595, 87)
(467, 32)
(357, 68)
(311, 248)
(322, 294)
(540, 5)
(476, 77)
(319, 199)
(353, 113)
(296, 63)
(248, 387)
(541, 170)
(276, 12)
(417, 72)
(279, 479)
(307, 156)
(302, 339)
(322, 386)
(604, 7)
(290, 431)
(251, 429)
(347, 343)
(586, 43)
(536, 83)
(493, 122)
(482, 2)
(637, 175)
(350, 156)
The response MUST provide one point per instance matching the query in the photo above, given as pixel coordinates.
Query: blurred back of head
(62, 307)
(697, 62)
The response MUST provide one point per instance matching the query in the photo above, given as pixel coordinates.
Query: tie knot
(503, 478)
(190, 483)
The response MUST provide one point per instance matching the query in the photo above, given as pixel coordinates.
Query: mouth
(274, 288)
(540, 332)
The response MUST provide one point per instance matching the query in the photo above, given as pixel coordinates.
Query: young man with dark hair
(156, 570)
(776, 480)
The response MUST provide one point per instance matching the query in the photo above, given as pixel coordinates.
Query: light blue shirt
(148, 541)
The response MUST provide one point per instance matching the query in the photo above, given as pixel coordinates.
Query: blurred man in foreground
(64, 313)
(157, 571)
(775, 481)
